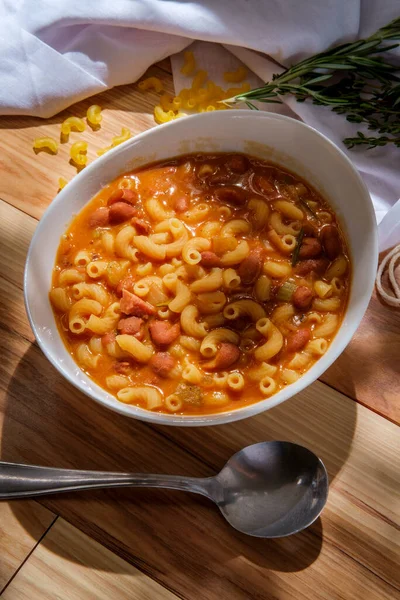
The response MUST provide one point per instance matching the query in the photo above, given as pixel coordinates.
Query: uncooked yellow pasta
(151, 83)
(45, 143)
(93, 115)
(78, 153)
(72, 124)
(163, 116)
(236, 76)
(189, 63)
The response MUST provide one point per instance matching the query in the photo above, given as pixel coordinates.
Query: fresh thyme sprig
(355, 79)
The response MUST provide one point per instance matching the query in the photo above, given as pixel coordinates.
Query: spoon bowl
(270, 489)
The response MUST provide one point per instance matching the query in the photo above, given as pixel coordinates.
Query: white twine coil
(391, 258)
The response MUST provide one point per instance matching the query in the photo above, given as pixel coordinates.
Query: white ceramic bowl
(279, 139)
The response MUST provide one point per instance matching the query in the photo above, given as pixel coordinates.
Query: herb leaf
(355, 79)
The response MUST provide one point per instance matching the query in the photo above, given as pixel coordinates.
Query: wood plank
(368, 370)
(67, 563)
(22, 524)
(180, 540)
(30, 181)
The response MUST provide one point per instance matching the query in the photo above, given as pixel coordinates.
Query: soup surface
(201, 284)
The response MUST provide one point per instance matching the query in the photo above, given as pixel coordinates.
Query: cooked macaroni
(200, 284)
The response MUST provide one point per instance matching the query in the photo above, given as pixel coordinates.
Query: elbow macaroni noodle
(178, 310)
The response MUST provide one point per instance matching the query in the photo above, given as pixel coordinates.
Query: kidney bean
(131, 326)
(125, 284)
(309, 229)
(331, 241)
(250, 267)
(297, 340)
(231, 194)
(162, 363)
(108, 338)
(100, 217)
(123, 367)
(310, 248)
(237, 164)
(122, 195)
(226, 356)
(182, 204)
(163, 333)
(141, 225)
(319, 265)
(302, 297)
(219, 178)
(120, 212)
(265, 185)
(210, 260)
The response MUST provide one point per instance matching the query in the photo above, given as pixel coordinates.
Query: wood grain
(17, 541)
(367, 371)
(30, 181)
(180, 540)
(68, 564)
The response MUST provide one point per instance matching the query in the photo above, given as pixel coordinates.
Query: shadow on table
(172, 535)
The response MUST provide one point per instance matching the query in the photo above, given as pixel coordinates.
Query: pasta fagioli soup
(201, 284)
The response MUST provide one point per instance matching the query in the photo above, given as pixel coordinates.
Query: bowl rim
(254, 408)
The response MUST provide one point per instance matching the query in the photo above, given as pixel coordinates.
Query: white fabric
(56, 52)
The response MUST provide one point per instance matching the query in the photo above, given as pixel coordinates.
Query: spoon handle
(23, 481)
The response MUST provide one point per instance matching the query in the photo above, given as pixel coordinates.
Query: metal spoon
(270, 489)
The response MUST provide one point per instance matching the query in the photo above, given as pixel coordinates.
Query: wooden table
(160, 544)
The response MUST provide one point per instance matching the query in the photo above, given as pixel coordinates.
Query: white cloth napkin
(54, 53)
